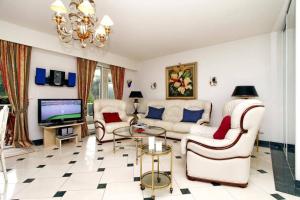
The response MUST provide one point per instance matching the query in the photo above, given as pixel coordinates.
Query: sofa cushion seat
(182, 127)
(164, 124)
(149, 122)
(112, 126)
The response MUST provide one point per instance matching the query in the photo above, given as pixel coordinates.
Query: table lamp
(245, 92)
(136, 95)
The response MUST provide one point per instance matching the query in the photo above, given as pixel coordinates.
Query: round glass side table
(156, 179)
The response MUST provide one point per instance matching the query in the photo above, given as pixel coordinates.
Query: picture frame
(181, 81)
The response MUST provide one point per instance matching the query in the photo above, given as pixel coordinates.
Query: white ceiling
(150, 28)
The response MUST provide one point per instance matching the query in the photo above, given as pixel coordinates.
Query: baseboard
(297, 184)
(276, 145)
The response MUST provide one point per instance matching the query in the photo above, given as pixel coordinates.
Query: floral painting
(181, 81)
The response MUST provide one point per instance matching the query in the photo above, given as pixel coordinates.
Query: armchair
(224, 161)
(104, 130)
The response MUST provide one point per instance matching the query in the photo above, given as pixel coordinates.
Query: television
(59, 111)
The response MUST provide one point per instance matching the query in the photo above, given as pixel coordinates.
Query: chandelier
(80, 23)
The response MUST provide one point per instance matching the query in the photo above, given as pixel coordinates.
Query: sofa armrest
(202, 122)
(140, 115)
(131, 120)
(201, 140)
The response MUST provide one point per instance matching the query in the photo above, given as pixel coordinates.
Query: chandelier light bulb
(58, 7)
(100, 30)
(87, 8)
(106, 21)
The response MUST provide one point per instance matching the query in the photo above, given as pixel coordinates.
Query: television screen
(59, 110)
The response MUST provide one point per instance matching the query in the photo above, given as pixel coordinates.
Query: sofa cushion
(182, 127)
(192, 115)
(111, 117)
(110, 127)
(155, 113)
(173, 114)
(223, 128)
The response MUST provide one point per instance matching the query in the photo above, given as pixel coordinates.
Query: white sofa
(104, 130)
(225, 161)
(173, 114)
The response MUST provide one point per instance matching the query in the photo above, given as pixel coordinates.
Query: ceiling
(146, 29)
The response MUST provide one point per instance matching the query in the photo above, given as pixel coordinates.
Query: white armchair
(104, 130)
(224, 161)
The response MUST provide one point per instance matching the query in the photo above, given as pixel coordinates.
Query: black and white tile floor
(92, 171)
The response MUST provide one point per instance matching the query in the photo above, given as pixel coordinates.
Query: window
(102, 87)
(3, 95)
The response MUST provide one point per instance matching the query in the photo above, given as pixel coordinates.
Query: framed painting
(181, 81)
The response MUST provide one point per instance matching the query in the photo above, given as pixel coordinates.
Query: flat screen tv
(59, 111)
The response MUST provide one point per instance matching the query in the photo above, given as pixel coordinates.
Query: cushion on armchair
(192, 115)
(223, 128)
(155, 113)
(111, 117)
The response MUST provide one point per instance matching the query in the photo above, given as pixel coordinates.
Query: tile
(49, 156)
(72, 162)
(215, 184)
(83, 195)
(185, 191)
(41, 188)
(277, 196)
(130, 165)
(67, 175)
(29, 180)
(101, 169)
(75, 153)
(101, 186)
(52, 171)
(41, 166)
(211, 193)
(124, 174)
(178, 157)
(262, 171)
(136, 179)
(117, 191)
(82, 181)
(59, 194)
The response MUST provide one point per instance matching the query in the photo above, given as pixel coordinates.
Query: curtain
(85, 70)
(117, 76)
(15, 66)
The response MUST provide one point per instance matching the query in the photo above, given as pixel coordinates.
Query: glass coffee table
(138, 135)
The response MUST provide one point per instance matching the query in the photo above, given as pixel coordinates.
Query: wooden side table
(50, 133)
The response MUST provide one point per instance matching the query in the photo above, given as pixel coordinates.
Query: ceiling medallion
(80, 23)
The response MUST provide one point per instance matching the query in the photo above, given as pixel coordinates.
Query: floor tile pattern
(92, 171)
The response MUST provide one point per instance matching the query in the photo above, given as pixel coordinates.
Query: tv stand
(50, 132)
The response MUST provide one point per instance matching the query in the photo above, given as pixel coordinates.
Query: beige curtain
(15, 67)
(85, 70)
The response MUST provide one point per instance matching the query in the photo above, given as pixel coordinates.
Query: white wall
(23, 35)
(56, 61)
(244, 62)
(48, 60)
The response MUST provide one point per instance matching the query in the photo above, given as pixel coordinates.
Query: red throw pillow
(223, 128)
(111, 117)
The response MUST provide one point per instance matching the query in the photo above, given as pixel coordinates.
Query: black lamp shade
(135, 94)
(245, 91)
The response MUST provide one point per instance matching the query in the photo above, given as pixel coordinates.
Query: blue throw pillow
(192, 115)
(155, 113)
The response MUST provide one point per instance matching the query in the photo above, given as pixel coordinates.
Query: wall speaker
(40, 76)
(57, 78)
(71, 79)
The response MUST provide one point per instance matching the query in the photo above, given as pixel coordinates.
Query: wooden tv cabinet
(50, 133)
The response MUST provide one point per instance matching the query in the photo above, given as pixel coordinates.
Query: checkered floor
(92, 171)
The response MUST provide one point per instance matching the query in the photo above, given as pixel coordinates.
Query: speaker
(57, 78)
(40, 76)
(71, 79)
